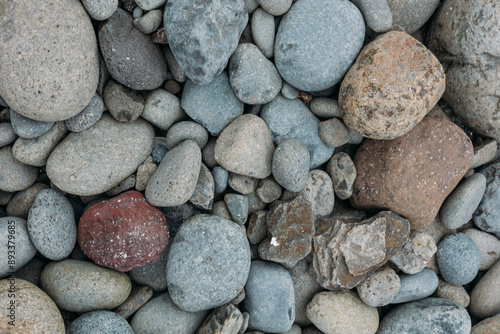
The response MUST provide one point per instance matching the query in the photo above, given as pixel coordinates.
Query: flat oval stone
(458, 259)
(485, 297)
(416, 286)
(186, 130)
(79, 286)
(487, 326)
(97, 159)
(100, 322)
(88, 116)
(28, 128)
(15, 175)
(22, 250)
(263, 31)
(61, 68)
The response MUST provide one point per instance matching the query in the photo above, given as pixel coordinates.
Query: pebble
(113, 151)
(429, 315)
(257, 227)
(172, 86)
(485, 296)
(131, 57)
(28, 128)
(124, 104)
(453, 293)
(144, 173)
(254, 203)
(51, 225)
(342, 312)
(333, 133)
(268, 190)
(139, 296)
(488, 245)
(136, 232)
(459, 206)
(14, 229)
(245, 147)
(163, 109)
(224, 319)
(487, 326)
(378, 98)
(61, 75)
(484, 153)
(291, 165)
(100, 10)
(242, 184)
(20, 204)
(487, 214)
(203, 195)
(269, 298)
(208, 153)
(204, 37)
(342, 171)
(289, 92)
(5, 197)
(416, 286)
(36, 151)
(213, 105)
(182, 164)
(173, 66)
(221, 177)
(319, 192)
(380, 288)
(27, 298)
(238, 207)
(307, 63)
(80, 286)
(208, 263)
(7, 134)
(100, 322)
(88, 116)
(325, 107)
(291, 119)
(411, 15)
(263, 32)
(186, 130)
(220, 209)
(161, 315)
(149, 22)
(416, 253)
(123, 186)
(150, 4)
(275, 7)
(458, 259)
(16, 176)
(251, 5)
(377, 14)
(152, 275)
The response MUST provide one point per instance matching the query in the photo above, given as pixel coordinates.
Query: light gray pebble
(208, 153)
(137, 12)
(88, 116)
(484, 153)
(149, 22)
(100, 10)
(488, 245)
(251, 5)
(291, 165)
(416, 253)
(289, 91)
(263, 32)
(377, 14)
(28, 128)
(221, 177)
(20, 204)
(416, 286)
(268, 190)
(15, 175)
(325, 107)
(412, 14)
(173, 65)
(342, 170)
(203, 195)
(220, 209)
(124, 104)
(126, 184)
(487, 215)
(380, 288)
(150, 4)
(238, 207)
(242, 183)
(7, 134)
(186, 130)
(100, 322)
(163, 109)
(15, 230)
(275, 7)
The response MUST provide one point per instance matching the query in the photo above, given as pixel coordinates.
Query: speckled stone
(487, 215)
(319, 192)
(125, 185)
(263, 32)
(80, 286)
(487, 326)
(380, 288)
(416, 253)
(152, 275)
(144, 173)
(325, 107)
(186, 130)
(7, 134)
(342, 170)
(411, 15)
(150, 4)
(377, 14)
(238, 207)
(100, 10)
(485, 296)
(224, 319)
(268, 190)
(221, 177)
(124, 104)
(242, 183)
(15, 175)
(203, 195)
(453, 293)
(257, 227)
(139, 296)
(88, 116)
(458, 259)
(21, 203)
(333, 132)
(26, 127)
(162, 109)
(220, 209)
(291, 165)
(416, 286)
(149, 22)
(488, 245)
(15, 230)
(100, 322)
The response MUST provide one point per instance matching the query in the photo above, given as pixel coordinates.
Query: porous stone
(263, 32)
(60, 73)
(20, 204)
(458, 259)
(162, 109)
(416, 286)
(7, 134)
(488, 245)
(268, 190)
(186, 130)
(15, 230)
(100, 10)
(453, 293)
(487, 214)
(416, 253)
(380, 288)
(139, 296)
(100, 322)
(342, 171)
(485, 296)
(88, 116)
(224, 319)
(26, 127)
(15, 175)
(124, 104)
(291, 165)
(319, 192)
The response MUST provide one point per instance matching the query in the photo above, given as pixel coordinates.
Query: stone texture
(319, 192)
(485, 296)
(162, 109)
(325, 107)
(458, 259)
(291, 165)
(487, 215)
(123, 232)
(149, 22)
(453, 293)
(15, 175)
(144, 173)
(26, 127)
(139, 296)
(263, 31)
(7, 134)
(100, 10)
(484, 153)
(487, 326)
(17, 248)
(333, 132)
(123, 103)
(59, 74)
(186, 130)
(343, 173)
(257, 227)
(268, 190)
(224, 319)
(411, 15)
(378, 96)
(416, 253)
(20, 204)
(488, 245)
(152, 275)
(99, 322)
(377, 14)
(242, 184)
(413, 174)
(416, 286)
(88, 116)
(238, 207)
(203, 195)
(379, 288)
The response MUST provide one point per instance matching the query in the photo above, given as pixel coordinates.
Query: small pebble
(416, 253)
(163, 109)
(325, 107)
(458, 259)
(124, 104)
(139, 296)
(137, 12)
(159, 151)
(100, 10)
(254, 203)
(123, 186)
(88, 116)
(150, 4)
(251, 5)
(487, 326)
(208, 153)
(377, 14)
(268, 190)
(100, 322)
(144, 173)
(153, 275)
(238, 207)
(291, 165)
(7, 134)
(319, 191)
(242, 184)
(487, 215)
(380, 288)
(220, 209)
(416, 286)
(488, 245)
(289, 92)
(411, 15)
(342, 170)
(453, 293)
(203, 195)
(173, 66)
(221, 177)
(275, 7)
(263, 32)
(172, 87)
(186, 130)
(28, 128)
(484, 153)
(333, 133)
(224, 319)
(257, 227)
(149, 22)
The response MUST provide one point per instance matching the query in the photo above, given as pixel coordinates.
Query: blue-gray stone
(15, 230)
(317, 41)
(208, 263)
(202, 37)
(377, 14)
(88, 116)
(51, 225)
(177, 215)
(185, 130)
(238, 207)
(291, 119)
(100, 322)
(153, 275)
(3, 103)
(430, 315)
(291, 165)
(263, 31)
(458, 259)
(203, 195)
(221, 177)
(289, 91)
(487, 215)
(159, 152)
(416, 286)
(28, 128)
(213, 105)
(7, 134)
(269, 298)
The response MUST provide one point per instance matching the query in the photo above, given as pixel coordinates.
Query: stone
(245, 147)
(149, 22)
(254, 78)
(242, 183)
(202, 38)
(174, 182)
(379, 288)
(333, 133)
(208, 263)
(378, 97)
(17, 248)
(487, 326)
(257, 227)
(268, 190)
(152, 275)
(131, 57)
(172, 87)
(488, 245)
(208, 153)
(412, 175)
(123, 186)
(203, 195)
(342, 312)
(124, 104)
(21, 202)
(224, 319)
(238, 207)
(100, 322)
(319, 192)
(51, 225)
(221, 177)
(308, 63)
(113, 151)
(220, 209)
(173, 65)
(377, 14)
(80, 286)
(429, 315)
(345, 253)
(100, 10)
(453, 293)
(31, 271)
(139, 296)
(269, 298)
(27, 297)
(186, 130)
(150, 4)
(213, 105)
(411, 15)
(275, 7)
(458, 259)
(484, 153)
(325, 107)
(177, 215)
(254, 203)
(485, 296)
(7, 134)
(159, 150)
(88, 116)
(15, 175)
(60, 74)
(144, 173)
(162, 109)
(487, 214)
(26, 127)
(343, 173)
(123, 232)
(290, 231)
(416, 286)
(416, 253)
(263, 32)
(291, 119)
(161, 315)
(291, 165)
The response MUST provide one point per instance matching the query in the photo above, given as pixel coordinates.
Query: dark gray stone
(224, 319)
(458, 259)
(173, 65)
(139, 296)
(158, 153)
(416, 286)
(238, 207)
(487, 215)
(24, 248)
(186, 130)
(100, 322)
(124, 104)
(176, 215)
(88, 116)
(28, 128)
(153, 275)
(203, 195)
(306, 36)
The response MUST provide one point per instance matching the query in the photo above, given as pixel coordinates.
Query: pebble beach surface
(249, 166)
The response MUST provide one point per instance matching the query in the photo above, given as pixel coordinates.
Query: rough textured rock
(99, 322)
(485, 297)
(487, 326)
(15, 175)
(202, 38)
(224, 319)
(416, 253)
(319, 192)
(345, 253)
(453, 293)
(342, 170)
(238, 207)
(380, 288)
(123, 232)
(88, 116)
(392, 85)
(484, 153)
(487, 215)
(59, 74)
(413, 174)
(203, 195)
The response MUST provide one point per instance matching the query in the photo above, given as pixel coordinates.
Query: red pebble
(123, 233)
(159, 36)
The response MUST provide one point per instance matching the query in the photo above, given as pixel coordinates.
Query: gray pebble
(291, 165)
(7, 134)
(333, 132)
(488, 245)
(251, 5)
(14, 232)
(257, 227)
(268, 190)
(139, 296)
(100, 322)
(377, 14)
(263, 31)
(100, 10)
(254, 203)
(380, 288)
(416, 286)
(342, 170)
(172, 86)
(208, 153)
(484, 153)
(28, 128)
(88, 116)
(20, 204)
(325, 107)
(173, 65)
(4, 104)
(153, 275)
(238, 207)
(162, 109)
(15, 175)
(354, 137)
(275, 7)
(126, 184)
(221, 177)
(458, 259)
(124, 104)
(220, 209)
(203, 195)
(186, 130)
(290, 92)
(416, 253)
(137, 12)
(149, 22)
(242, 183)
(487, 215)
(224, 319)
(158, 153)
(150, 4)
(411, 15)
(5, 197)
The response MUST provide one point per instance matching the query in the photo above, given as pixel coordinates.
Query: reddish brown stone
(412, 175)
(123, 233)
(159, 36)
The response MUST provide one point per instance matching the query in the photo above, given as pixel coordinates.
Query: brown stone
(345, 252)
(139, 296)
(159, 36)
(392, 85)
(413, 174)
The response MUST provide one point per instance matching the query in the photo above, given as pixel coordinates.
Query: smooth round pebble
(242, 183)
(7, 134)
(485, 296)
(275, 7)
(487, 326)
(325, 107)
(453, 293)
(412, 14)
(88, 116)
(20, 204)
(100, 10)
(15, 175)
(263, 32)
(333, 132)
(380, 288)
(289, 92)
(162, 109)
(458, 259)
(15, 230)
(186, 130)
(28, 128)
(416, 286)
(100, 322)
(124, 104)
(149, 22)
(139, 296)
(377, 14)
(291, 165)
(488, 245)
(342, 170)
(221, 177)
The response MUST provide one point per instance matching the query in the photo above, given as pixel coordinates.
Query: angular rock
(225, 319)
(123, 103)
(342, 170)
(139, 296)
(257, 227)
(416, 253)
(268, 190)
(238, 207)
(203, 195)
(484, 153)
